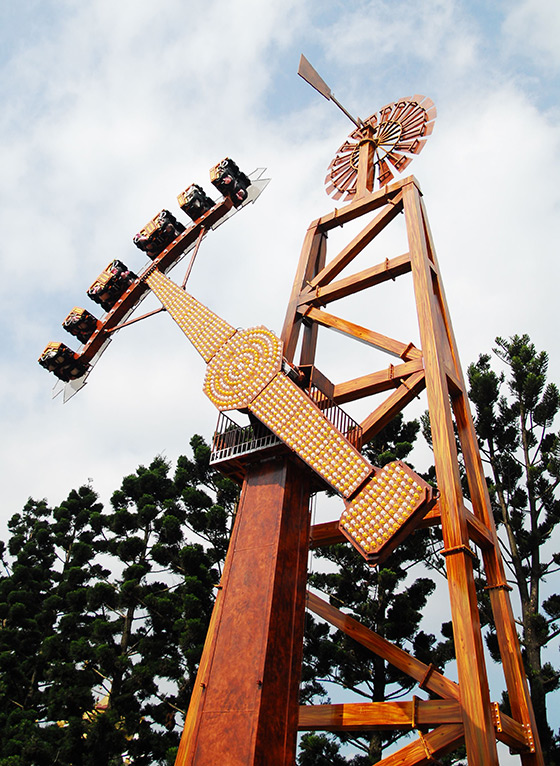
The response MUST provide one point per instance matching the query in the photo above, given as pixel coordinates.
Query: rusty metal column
(244, 709)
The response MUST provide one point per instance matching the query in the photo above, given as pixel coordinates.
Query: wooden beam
(510, 732)
(370, 337)
(314, 377)
(415, 714)
(425, 750)
(366, 165)
(311, 332)
(376, 275)
(478, 532)
(432, 518)
(310, 261)
(355, 247)
(394, 403)
(427, 677)
(360, 207)
(379, 715)
(326, 533)
(375, 382)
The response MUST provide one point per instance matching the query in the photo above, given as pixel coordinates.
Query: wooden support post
(244, 710)
(366, 166)
(510, 652)
(312, 254)
(477, 719)
(310, 331)
(512, 662)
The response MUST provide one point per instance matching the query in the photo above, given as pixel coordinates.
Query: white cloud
(387, 36)
(495, 217)
(532, 31)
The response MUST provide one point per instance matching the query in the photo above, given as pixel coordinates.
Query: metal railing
(232, 440)
(340, 419)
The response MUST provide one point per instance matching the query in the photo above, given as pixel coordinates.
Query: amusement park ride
(244, 709)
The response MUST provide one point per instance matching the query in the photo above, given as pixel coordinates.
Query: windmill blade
(334, 192)
(344, 154)
(413, 122)
(399, 161)
(401, 109)
(385, 174)
(414, 146)
(431, 113)
(425, 102)
(398, 130)
(427, 129)
(428, 105)
(343, 177)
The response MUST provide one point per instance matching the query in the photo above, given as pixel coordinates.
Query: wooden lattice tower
(244, 709)
(436, 368)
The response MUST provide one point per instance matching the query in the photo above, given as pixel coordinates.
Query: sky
(109, 110)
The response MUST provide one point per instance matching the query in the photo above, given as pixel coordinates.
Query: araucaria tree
(103, 615)
(515, 413)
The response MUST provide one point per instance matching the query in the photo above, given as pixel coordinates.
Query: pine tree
(515, 413)
(104, 615)
(44, 652)
(151, 618)
(209, 500)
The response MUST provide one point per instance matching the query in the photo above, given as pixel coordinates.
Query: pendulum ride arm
(244, 371)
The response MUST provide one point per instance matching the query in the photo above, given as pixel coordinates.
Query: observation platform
(234, 445)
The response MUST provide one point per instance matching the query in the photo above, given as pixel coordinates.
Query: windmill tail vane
(313, 78)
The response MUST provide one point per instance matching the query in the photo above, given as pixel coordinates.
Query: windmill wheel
(398, 132)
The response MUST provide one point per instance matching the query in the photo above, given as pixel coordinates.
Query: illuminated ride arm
(245, 372)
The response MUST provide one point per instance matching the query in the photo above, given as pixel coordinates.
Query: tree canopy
(104, 614)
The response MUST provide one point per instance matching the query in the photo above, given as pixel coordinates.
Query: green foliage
(209, 499)
(515, 412)
(319, 750)
(109, 607)
(395, 442)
